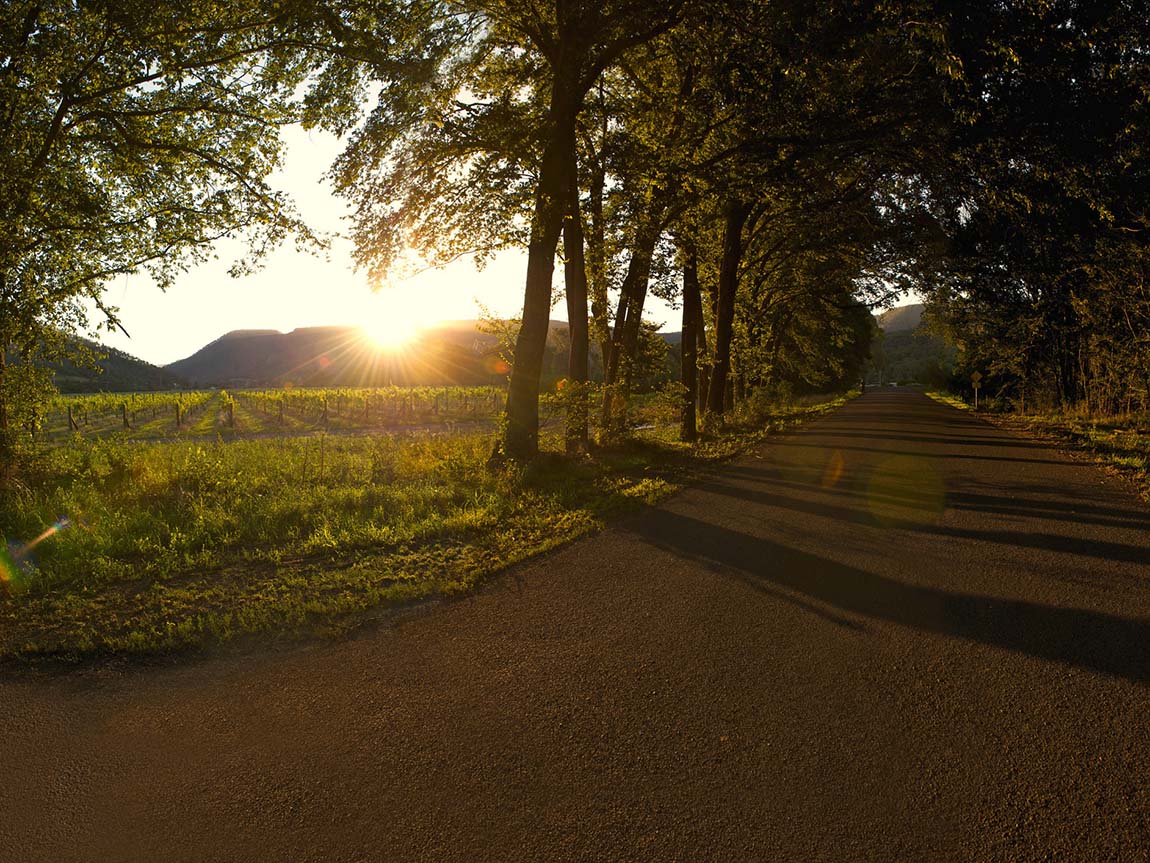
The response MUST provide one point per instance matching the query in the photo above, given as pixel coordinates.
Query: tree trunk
(625, 335)
(736, 216)
(521, 433)
(575, 281)
(597, 266)
(611, 350)
(688, 428)
(703, 350)
(3, 392)
(611, 357)
(633, 295)
(629, 346)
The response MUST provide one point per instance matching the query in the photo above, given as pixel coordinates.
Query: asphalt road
(901, 634)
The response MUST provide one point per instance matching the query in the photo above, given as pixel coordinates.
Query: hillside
(340, 356)
(115, 371)
(903, 352)
(901, 318)
(454, 352)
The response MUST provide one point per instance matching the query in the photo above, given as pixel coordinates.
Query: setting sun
(394, 318)
(390, 332)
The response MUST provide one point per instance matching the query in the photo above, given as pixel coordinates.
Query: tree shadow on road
(883, 451)
(849, 506)
(1042, 502)
(1079, 637)
(868, 433)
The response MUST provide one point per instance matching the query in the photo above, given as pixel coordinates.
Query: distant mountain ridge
(115, 371)
(450, 353)
(901, 318)
(904, 352)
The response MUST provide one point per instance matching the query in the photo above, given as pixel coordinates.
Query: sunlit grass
(1121, 443)
(948, 399)
(183, 543)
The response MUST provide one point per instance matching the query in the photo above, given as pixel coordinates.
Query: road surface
(901, 634)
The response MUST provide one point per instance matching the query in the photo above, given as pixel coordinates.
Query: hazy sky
(298, 290)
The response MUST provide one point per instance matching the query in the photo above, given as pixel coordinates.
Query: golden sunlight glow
(394, 318)
(389, 333)
(906, 489)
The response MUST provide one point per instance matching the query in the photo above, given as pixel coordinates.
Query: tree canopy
(135, 134)
(777, 169)
(1045, 286)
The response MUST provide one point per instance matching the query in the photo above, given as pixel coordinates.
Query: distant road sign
(976, 377)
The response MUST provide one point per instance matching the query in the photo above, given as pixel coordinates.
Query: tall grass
(168, 544)
(1120, 442)
(153, 511)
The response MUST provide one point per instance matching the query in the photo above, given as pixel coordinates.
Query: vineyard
(150, 522)
(234, 414)
(279, 412)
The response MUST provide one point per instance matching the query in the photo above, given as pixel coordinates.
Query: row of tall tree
(775, 168)
(1047, 287)
(759, 163)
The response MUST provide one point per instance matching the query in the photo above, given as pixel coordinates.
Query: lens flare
(9, 570)
(906, 490)
(14, 563)
(496, 366)
(51, 531)
(834, 470)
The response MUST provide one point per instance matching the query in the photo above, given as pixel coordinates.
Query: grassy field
(117, 545)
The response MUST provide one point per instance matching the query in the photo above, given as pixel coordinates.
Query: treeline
(84, 366)
(757, 162)
(111, 370)
(775, 168)
(1046, 289)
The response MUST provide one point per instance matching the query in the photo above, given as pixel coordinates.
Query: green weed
(1121, 443)
(949, 399)
(168, 545)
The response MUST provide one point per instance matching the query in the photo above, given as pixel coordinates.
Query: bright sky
(298, 290)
